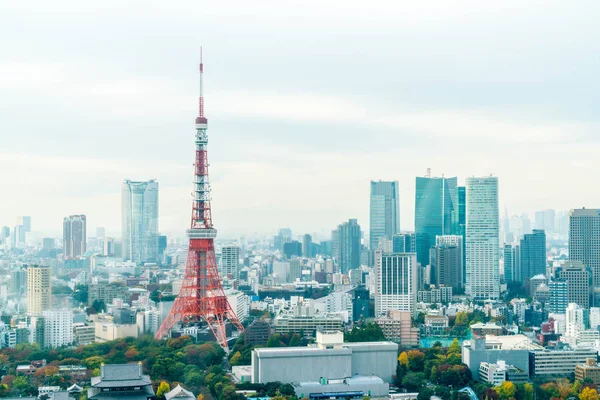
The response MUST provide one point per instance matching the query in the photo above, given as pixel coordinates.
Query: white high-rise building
(139, 225)
(281, 269)
(240, 303)
(396, 282)
(58, 328)
(230, 261)
(483, 230)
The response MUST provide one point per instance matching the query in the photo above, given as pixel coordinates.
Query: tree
(528, 391)
(99, 305)
(433, 377)
(403, 360)
(295, 340)
(425, 394)
(454, 348)
(162, 389)
(490, 394)
(200, 397)
(132, 353)
(588, 394)
(443, 392)
(413, 381)
(21, 385)
(235, 360)
(416, 360)
(274, 341)
(564, 388)
(50, 370)
(506, 390)
(93, 362)
(462, 318)
(287, 390)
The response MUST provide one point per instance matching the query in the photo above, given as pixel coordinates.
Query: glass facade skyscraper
(533, 255)
(384, 215)
(483, 236)
(139, 221)
(584, 239)
(347, 246)
(436, 212)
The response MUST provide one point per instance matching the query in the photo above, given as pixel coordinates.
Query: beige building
(39, 290)
(108, 330)
(589, 370)
(397, 327)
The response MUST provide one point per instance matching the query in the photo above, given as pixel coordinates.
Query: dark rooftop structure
(121, 381)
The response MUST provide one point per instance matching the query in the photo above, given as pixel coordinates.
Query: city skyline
(468, 118)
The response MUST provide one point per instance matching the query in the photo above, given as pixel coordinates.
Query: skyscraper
(395, 282)
(404, 243)
(483, 230)
(512, 262)
(347, 247)
(307, 246)
(579, 282)
(584, 239)
(533, 255)
(74, 237)
(545, 220)
(39, 291)
(446, 262)
(384, 215)
(140, 221)
(230, 261)
(436, 212)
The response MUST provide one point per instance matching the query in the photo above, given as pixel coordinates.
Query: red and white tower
(201, 296)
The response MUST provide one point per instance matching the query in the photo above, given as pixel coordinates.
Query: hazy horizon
(306, 105)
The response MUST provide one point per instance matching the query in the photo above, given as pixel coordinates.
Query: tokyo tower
(201, 296)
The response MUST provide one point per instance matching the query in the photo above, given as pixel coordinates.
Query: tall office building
(395, 282)
(347, 247)
(578, 277)
(284, 236)
(512, 262)
(559, 296)
(436, 212)
(584, 239)
(230, 261)
(384, 213)
(533, 255)
(295, 270)
(74, 237)
(39, 290)
(446, 262)
(361, 304)
(18, 282)
(20, 231)
(139, 224)
(545, 220)
(307, 246)
(404, 243)
(483, 230)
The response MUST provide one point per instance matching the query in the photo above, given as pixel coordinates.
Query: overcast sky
(307, 101)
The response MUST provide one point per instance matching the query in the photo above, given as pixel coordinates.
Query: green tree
(454, 348)
(99, 305)
(413, 381)
(528, 391)
(416, 361)
(295, 340)
(425, 394)
(235, 360)
(274, 341)
(287, 390)
(433, 377)
(462, 318)
(162, 389)
(93, 362)
(443, 392)
(20, 384)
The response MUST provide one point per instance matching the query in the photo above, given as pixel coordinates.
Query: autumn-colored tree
(8, 380)
(564, 388)
(200, 397)
(132, 353)
(50, 370)
(588, 394)
(162, 389)
(403, 360)
(235, 359)
(576, 388)
(462, 318)
(506, 390)
(93, 362)
(415, 360)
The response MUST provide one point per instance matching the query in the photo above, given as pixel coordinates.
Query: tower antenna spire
(201, 119)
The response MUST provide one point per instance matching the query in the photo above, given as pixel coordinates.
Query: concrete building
(446, 261)
(483, 329)
(257, 333)
(39, 290)
(513, 349)
(331, 358)
(240, 303)
(230, 261)
(281, 269)
(397, 327)
(74, 237)
(107, 330)
(396, 282)
(482, 241)
(308, 324)
(558, 363)
(107, 292)
(589, 370)
(58, 328)
(500, 372)
(579, 281)
(360, 386)
(139, 225)
(559, 296)
(442, 294)
(584, 239)
(307, 246)
(83, 334)
(148, 321)
(512, 262)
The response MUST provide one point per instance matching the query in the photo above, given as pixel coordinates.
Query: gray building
(446, 262)
(139, 223)
(347, 247)
(230, 261)
(579, 282)
(404, 243)
(74, 237)
(584, 239)
(533, 255)
(558, 363)
(331, 358)
(384, 212)
(512, 262)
